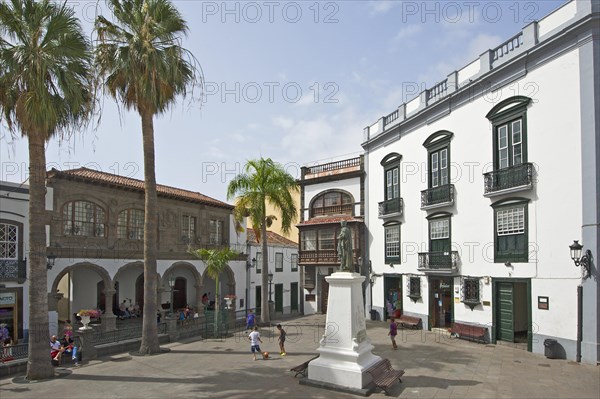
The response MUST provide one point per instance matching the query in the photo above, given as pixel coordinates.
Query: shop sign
(8, 298)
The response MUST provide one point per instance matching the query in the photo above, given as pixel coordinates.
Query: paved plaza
(436, 366)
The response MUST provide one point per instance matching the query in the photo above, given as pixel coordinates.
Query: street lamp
(171, 286)
(270, 285)
(50, 262)
(584, 261)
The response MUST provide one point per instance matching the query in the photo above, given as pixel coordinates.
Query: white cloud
(283, 122)
(381, 6)
(407, 32)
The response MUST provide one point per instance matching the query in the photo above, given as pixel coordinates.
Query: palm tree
(144, 67)
(264, 181)
(216, 261)
(45, 91)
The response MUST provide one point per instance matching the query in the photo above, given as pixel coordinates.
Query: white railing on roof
(508, 46)
(438, 91)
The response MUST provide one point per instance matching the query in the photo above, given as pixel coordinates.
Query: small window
(9, 240)
(309, 240)
(327, 239)
(470, 291)
(294, 262)
(258, 262)
(278, 261)
(130, 224)
(414, 287)
(216, 232)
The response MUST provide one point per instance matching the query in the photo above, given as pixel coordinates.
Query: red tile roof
(329, 220)
(272, 238)
(93, 176)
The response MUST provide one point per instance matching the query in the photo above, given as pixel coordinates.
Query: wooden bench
(470, 332)
(383, 375)
(410, 322)
(302, 369)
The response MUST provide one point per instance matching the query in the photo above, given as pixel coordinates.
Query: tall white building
(477, 188)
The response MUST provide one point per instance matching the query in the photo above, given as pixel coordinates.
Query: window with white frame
(392, 243)
(439, 229)
(510, 222)
(309, 240)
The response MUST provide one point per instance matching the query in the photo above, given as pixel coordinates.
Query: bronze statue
(344, 248)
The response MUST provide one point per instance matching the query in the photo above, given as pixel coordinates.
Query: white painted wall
(553, 134)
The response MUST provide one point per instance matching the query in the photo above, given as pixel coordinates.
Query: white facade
(285, 287)
(546, 80)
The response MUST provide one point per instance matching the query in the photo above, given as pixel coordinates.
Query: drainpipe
(579, 321)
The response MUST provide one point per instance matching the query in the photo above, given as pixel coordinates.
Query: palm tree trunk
(38, 364)
(217, 307)
(150, 342)
(265, 317)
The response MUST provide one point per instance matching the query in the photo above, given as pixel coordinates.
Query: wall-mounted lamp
(392, 265)
(251, 264)
(584, 261)
(51, 259)
(507, 264)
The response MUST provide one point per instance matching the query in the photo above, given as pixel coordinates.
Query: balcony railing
(13, 270)
(390, 118)
(437, 196)
(515, 178)
(345, 209)
(391, 207)
(323, 256)
(346, 163)
(438, 262)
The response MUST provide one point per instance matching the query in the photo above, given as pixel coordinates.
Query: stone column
(109, 320)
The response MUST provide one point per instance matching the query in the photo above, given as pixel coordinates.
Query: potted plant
(86, 315)
(229, 298)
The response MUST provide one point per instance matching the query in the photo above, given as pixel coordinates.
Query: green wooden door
(294, 296)
(279, 298)
(505, 313)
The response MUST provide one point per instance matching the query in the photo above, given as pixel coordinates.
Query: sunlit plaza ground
(436, 366)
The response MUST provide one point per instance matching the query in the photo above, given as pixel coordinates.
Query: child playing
(393, 332)
(250, 320)
(254, 338)
(281, 340)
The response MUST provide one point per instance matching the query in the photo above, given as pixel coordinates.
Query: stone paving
(436, 366)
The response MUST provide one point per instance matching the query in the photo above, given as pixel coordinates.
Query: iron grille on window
(415, 287)
(471, 290)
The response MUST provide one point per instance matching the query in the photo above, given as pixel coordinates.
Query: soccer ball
(266, 355)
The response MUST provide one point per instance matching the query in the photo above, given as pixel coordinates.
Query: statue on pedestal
(344, 248)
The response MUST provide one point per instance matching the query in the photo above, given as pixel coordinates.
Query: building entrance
(441, 306)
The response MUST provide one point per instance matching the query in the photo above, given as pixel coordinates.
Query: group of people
(65, 345)
(255, 339)
(127, 312)
(187, 313)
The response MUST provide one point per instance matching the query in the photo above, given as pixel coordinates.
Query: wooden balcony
(323, 257)
(390, 208)
(437, 196)
(444, 262)
(345, 209)
(508, 180)
(13, 270)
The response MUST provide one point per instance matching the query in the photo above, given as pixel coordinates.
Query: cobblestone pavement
(436, 366)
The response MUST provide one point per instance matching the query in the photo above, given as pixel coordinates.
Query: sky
(293, 81)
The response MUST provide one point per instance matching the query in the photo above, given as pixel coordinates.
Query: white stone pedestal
(345, 349)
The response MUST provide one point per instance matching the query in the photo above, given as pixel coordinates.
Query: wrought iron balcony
(443, 262)
(391, 207)
(13, 270)
(515, 178)
(437, 196)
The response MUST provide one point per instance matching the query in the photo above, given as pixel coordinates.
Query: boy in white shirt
(254, 338)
